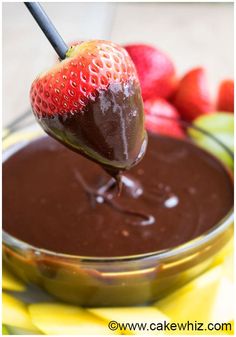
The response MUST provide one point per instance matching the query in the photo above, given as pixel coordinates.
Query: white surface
(192, 34)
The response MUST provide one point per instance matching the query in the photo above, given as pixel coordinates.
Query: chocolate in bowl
(129, 276)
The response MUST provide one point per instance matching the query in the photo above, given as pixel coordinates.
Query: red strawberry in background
(91, 102)
(155, 70)
(192, 97)
(161, 117)
(225, 99)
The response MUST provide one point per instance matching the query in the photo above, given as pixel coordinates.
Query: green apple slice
(217, 122)
(216, 149)
(63, 319)
(221, 126)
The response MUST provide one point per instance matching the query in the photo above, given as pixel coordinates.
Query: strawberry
(91, 102)
(161, 117)
(225, 99)
(155, 70)
(192, 97)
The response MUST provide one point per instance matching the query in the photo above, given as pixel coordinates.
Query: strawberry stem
(48, 28)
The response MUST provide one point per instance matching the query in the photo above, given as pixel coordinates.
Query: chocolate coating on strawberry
(91, 102)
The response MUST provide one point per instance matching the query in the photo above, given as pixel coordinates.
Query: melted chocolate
(57, 200)
(110, 129)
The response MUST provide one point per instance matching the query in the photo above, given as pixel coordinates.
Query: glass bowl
(115, 281)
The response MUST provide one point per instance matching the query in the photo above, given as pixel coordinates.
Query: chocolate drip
(105, 196)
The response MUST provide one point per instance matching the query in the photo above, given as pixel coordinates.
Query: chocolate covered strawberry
(92, 103)
(192, 97)
(155, 70)
(225, 99)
